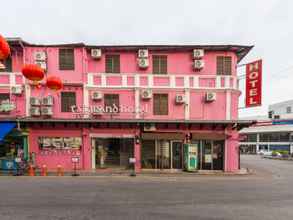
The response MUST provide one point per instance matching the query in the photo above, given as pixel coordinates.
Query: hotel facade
(119, 102)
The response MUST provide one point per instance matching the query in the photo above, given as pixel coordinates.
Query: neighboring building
(281, 110)
(119, 102)
(272, 132)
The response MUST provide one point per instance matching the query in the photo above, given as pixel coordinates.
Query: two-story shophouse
(121, 102)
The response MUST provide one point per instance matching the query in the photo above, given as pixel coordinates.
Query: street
(265, 195)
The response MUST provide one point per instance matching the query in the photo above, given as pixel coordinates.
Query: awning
(5, 128)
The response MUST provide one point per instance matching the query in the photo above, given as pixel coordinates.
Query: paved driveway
(266, 195)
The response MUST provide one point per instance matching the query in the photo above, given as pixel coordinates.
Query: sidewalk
(157, 173)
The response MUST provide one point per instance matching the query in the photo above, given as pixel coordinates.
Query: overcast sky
(267, 24)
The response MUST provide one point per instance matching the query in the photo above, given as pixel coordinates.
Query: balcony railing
(106, 80)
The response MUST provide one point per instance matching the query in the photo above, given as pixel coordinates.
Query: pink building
(120, 102)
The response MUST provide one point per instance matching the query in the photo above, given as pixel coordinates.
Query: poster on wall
(253, 84)
(57, 142)
(60, 142)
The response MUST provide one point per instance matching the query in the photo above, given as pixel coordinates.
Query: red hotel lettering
(253, 83)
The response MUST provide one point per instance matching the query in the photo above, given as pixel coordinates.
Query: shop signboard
(92, 110)
(7, 106)
(253, 84)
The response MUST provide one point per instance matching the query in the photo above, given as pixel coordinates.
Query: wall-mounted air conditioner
(35, 111)
(48, 111)
(198, 64)
(210, 96)
(42, 64)
(143, 53)
(97, 95)
(96, 53)
(198, 53)
(146, 94)
(40, 55)
(150, 127)
(35, 101)
(180, 99)
(143, 62)
(16, 90)
(47, 101)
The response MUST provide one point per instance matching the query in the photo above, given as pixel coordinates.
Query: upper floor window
(66, 59)
(68, 99)
(112, 63)
(160, 105)
(4, 97)
(8, 65)
(224, 65)
(111, 101)
(288, 109)
(160, 64)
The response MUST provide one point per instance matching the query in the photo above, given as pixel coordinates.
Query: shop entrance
(211, 154)
(162, 154)
(113, 152)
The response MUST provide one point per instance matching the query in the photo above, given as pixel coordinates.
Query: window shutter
(160, 64)
(164, 104)
(227, 65)
(66, 59)
(224, 65)
(68, 99)
(112, 63)
(111, 99)
(160, 104)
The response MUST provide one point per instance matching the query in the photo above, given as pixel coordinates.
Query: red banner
(253, 84)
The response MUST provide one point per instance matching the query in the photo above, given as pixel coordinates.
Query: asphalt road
(265, 195)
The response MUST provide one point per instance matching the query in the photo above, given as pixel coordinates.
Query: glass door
(177, 154)
(163, 154)
(206, 157)
(218, 155)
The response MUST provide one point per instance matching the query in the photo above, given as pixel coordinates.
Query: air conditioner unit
(47, 101)
(198, 53)
(47, 111)
(180, 99)
(96, 53)
(35, 101)
(16, 90)
(143, 53)
(40, 55)
(35, 111)
(97, 95)
(210, 96)
(143, 62)
(149, 127)
(41, 64)
(198, 64)
(146, 94)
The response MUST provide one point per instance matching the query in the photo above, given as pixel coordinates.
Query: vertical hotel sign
(253, 84)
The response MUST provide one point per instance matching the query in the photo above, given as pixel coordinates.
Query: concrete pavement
(265, 195)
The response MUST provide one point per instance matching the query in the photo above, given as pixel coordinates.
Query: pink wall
(68, 76)
(53, 158)
(178, 63)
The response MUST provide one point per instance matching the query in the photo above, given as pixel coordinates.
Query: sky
(266, 24)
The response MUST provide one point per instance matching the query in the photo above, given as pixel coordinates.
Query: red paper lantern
(4, 48)
(54, 83)
(33, 72)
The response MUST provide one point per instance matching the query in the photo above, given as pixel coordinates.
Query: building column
(137, 150)
(85, 164)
